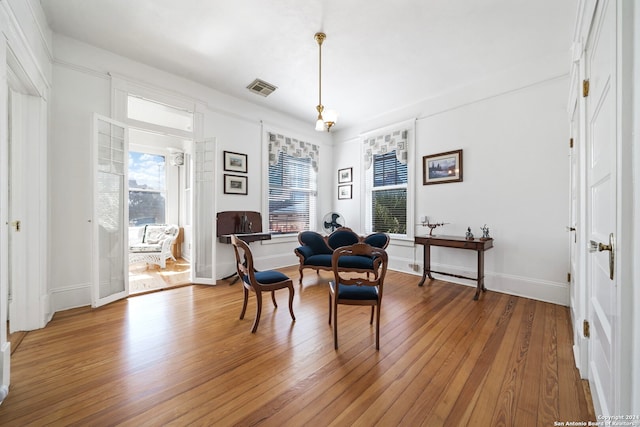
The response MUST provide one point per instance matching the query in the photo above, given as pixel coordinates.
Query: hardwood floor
(182, 357)
(145, 277)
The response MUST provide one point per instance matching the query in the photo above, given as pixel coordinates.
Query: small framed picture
(345, 175)
(235, 162)
(442, 168)
(235, 184)
(344, 191)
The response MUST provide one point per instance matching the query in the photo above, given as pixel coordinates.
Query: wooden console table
(478, 245)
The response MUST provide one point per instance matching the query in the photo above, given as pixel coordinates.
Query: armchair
(155, 247)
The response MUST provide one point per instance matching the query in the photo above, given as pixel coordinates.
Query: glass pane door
(110, 220)
(204, 212)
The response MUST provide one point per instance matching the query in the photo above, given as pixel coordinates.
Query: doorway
(158, 187)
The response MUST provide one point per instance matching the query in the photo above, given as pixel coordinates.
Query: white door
(204, 213)
(576, 293)
(110, 217)
(601, 209)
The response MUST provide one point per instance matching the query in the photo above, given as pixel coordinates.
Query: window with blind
(388, 194)
(292, 194)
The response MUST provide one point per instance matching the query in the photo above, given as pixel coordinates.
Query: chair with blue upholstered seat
(258, 281)
(352, 287)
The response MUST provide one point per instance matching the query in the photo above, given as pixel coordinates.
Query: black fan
(332, 221)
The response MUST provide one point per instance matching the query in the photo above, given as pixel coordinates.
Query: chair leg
(378, 326)
(244, 303)
(330, 306)
(258, 311)
(371, 320)
(291, 293)
(273, 298)
(300, 270)
(335, 328)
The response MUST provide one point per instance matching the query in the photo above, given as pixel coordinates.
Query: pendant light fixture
(327, 118)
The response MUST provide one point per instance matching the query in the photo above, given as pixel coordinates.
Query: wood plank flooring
(145, 277)
(182, 357)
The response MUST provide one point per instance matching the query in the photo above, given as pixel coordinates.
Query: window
(387, 180)
(147, 188)
(389, 194)
(293, 170)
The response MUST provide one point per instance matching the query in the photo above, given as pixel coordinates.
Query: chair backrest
(379, 240)
(244, 259)
(343, 236)
(345, 277)
(315, 241)
(154, 233)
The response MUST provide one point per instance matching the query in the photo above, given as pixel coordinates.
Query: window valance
(293, 147)
(386, 143)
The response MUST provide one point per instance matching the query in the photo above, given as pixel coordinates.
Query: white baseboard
(541, 290)
(70, 297)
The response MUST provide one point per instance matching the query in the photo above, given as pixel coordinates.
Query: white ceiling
(379, 55)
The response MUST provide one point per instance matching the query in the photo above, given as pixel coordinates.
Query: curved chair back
(343, 236)
(315, 241)
(379, 240)
(244, 260)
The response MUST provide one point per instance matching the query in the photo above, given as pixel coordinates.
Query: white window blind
(389, 194)
(292, 184)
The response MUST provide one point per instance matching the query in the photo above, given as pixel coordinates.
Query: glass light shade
(320, 125)
(330, 116)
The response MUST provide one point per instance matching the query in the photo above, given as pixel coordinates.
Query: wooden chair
(258, 281)
(356, 287)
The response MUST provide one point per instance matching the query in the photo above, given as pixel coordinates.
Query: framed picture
(442, 168)
(235, 162)
(235, 184)
(345, 175)
(344, 191)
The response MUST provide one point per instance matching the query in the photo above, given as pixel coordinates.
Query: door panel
(110, 220)
(203, 268)
(601, 183)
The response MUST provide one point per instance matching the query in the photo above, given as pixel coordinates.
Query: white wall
(81, 87)
(515, 170)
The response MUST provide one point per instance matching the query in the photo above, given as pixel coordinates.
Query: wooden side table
(478, 245)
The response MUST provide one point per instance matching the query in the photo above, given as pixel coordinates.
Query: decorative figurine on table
(469, 234)
(432, 226)
(485, 233)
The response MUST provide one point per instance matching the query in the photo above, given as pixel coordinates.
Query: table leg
(480, 276)
(426, 265)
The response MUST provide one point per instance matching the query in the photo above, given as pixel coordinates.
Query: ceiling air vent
(261, 87)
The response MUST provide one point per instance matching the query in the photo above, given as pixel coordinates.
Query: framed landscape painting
(344, 192)
(235, 184)
(235, 162)
(345, 175)
(442, 168)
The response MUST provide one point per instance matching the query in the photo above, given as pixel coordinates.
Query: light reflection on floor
(149, 277)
